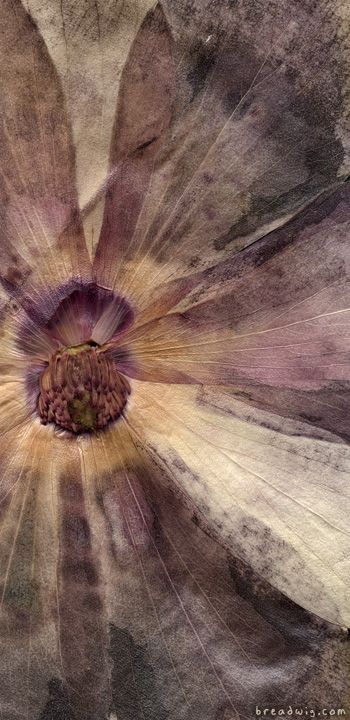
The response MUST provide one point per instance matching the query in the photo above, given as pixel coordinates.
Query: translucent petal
(274, 492)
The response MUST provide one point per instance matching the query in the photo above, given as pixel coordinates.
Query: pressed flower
(174, 359)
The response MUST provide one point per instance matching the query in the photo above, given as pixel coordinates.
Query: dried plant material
(174, 359)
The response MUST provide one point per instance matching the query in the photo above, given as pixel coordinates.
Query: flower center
(81, 389)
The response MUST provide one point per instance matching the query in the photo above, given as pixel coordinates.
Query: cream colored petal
(275, 492)
(89, 43)
(16, 404)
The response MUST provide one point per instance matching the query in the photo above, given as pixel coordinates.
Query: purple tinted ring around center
(73, 314)
(69, 316)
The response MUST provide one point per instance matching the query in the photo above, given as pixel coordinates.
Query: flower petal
(89, 42)
(28, 546)
(259, 130)
(15, 410)
(273, 321)
(143, 116)
(53, 629)
(273, 491)
(115, 602)
(42, 241)
(192, 632)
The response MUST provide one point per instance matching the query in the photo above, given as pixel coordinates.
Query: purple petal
(42, 239)
(275, 316)
(259, 130)
(143, 116)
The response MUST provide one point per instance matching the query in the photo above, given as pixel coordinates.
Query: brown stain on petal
(258, 117)
(264, 648)
(81, 607)
(20, 591)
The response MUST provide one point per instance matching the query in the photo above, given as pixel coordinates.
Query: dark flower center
(81, 390)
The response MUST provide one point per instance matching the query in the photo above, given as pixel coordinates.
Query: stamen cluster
(81, 389)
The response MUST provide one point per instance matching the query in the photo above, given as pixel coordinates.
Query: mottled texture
(174, 187)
